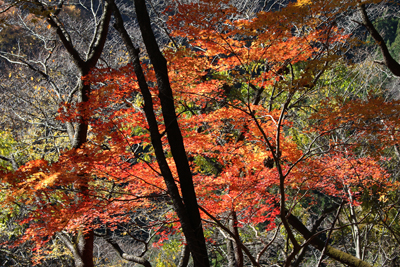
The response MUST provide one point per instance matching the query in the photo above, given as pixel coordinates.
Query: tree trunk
(354, 228)
(186, 210)
(82, 246)
(237, 251)
(230, 253)
(85, 250)
(193, 232)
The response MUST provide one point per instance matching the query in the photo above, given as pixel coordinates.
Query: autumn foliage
(240, 88)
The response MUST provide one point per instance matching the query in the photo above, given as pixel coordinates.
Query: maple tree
(239, 157)
(54, 89)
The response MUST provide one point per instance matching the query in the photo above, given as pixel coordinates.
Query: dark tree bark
(186, 208)
(175, 139)
(388, 60)
(78, 132)
(81, 248)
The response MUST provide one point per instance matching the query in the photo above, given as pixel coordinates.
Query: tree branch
(11, 160)
(125, 256)
(388, 60)
(334, 253)
(226, 229)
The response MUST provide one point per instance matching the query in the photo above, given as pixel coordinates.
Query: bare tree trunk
(231, 253)
(81, 248)
(10, 160)
(238, 254)
(354, 229)
(197, 245)
(185, 207)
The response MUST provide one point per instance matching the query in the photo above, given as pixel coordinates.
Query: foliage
(268, 132)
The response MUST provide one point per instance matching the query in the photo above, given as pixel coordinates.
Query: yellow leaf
(303, 2)
(9, 76)
(383, 198)
(48, 26)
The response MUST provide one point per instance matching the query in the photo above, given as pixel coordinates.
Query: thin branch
(238, 241)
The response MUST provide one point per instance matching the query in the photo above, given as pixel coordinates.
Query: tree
(77, 131)
(254, 150)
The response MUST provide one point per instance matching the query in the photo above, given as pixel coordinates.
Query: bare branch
(125, 256)
(388, 60)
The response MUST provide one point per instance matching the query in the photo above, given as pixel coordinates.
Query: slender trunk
(174, 135)
(233, 225)
(354, 229)
(82, 246)
(154, 132)
(231, 253)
